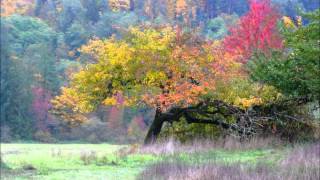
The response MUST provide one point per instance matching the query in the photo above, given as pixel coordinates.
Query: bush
(88, 157)
(183, 131)
(5, 134)
(2, 164)
(44, 136)
(93, 131)
(92, 138)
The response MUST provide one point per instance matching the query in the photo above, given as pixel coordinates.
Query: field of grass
(66, 161)
(106, 161)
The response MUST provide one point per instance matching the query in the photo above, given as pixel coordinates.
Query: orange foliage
(9, 7)
(196, 66)
(161, 68)
(181, 6)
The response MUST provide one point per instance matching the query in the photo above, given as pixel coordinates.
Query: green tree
(295, 71)
(217, 28)
(26, 48)
(76, 35)
(14, 79)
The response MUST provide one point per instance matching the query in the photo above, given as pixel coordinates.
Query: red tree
(257, 30)
(40, 106)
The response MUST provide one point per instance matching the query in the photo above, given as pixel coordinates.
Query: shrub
(44, 136)
(2, 164)
(93, 131)
(88, 157)
(183, 131)
(5, 134)
(102, 161)
(92, 138)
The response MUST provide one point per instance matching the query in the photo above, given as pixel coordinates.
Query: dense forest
(120, 70)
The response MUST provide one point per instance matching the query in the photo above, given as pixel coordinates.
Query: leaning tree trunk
(248, 122)
(155, 128)
(172, 115)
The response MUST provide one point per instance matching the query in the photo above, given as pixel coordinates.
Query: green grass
(65, 161)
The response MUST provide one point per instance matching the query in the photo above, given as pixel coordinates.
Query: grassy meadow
(66, 161)
(160, 161)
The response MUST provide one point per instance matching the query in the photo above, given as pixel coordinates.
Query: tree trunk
(155, 128)
(247, 124)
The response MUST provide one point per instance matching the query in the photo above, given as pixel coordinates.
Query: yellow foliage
(117, 5)
(248, 102)
(299, 21)
(133, 59)
(159, 67)
(288, 22)
(71, 53)
(94, 48)
(154, 78)
(69, 106)
(69, 98)
(243, 93)
(110, 101)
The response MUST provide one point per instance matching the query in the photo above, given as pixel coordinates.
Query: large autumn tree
(172, 71)
(162, 68)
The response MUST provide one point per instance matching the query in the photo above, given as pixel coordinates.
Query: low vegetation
(222, 159)
(298, 163)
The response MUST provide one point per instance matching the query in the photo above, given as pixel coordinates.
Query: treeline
(40, 43)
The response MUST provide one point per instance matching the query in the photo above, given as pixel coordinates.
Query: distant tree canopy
(217, 28)
(26, 61)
